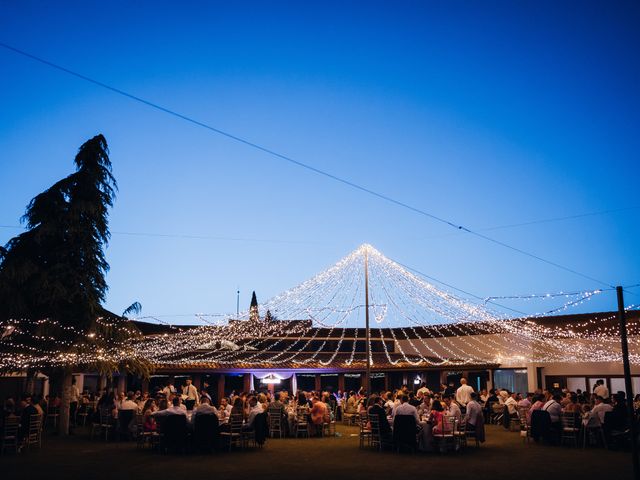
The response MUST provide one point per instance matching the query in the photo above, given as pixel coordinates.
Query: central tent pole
(368, 333)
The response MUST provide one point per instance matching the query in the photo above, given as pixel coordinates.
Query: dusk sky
(487, 114)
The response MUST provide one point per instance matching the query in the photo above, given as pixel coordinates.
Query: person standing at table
(463, 394)
(190, 392)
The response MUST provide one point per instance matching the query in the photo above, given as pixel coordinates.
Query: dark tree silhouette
(56, 269)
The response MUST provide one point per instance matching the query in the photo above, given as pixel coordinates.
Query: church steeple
(253, 309)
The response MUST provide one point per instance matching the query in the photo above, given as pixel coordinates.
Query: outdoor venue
(319, 239)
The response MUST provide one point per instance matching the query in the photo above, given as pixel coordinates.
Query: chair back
(569, 420)
(174, 429)
(235, 423)
(125, 417)
(404, 431)
(11, 426)
(206, 431)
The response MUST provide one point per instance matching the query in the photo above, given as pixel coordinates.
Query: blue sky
(487, 114)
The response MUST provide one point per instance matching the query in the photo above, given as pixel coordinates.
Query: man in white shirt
(169, 391)
(452, 407)
(512, 404)
(405, 408)
(599, 409)
(601, 389)
(128, 403)
(255, 410)
(190, 394)
(175, 409)
(463, 394)
(423, 390)
(554, 408)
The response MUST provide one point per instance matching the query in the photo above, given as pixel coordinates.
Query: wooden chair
(376, 439)
(460, 433)
(570, 428)
(275, 422)
(592, 428)
(366, 433)
(445, 438)
(301, 424)
(104, 425)
(525, 425)
(10, 434)
(53, 414)
(34, 434)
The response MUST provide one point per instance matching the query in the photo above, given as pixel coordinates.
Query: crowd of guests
(322, 407)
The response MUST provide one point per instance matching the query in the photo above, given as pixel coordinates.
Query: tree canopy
(52, 276)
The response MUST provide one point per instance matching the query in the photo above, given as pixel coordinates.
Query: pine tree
(55, 271)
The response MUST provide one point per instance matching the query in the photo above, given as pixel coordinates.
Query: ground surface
(504, 456)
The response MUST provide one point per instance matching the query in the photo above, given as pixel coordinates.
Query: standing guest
(190, 393)
(423, 390)
(463, 394)
(169, 390)
(601, 389)
(352, 403)
(74, 398)
(449, 389)
(319, 415)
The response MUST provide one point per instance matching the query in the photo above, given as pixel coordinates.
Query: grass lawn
(503, 456)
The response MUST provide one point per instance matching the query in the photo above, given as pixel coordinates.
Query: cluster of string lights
(319, 323)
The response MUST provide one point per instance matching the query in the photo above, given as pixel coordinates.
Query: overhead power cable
(299, 163)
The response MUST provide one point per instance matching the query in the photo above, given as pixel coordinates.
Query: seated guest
(205, 408)
(175, 409)
(148, 409)
(255, 409)
(512, 404)
(538, 403)
(352, 403)
(572, 405)
(376, 409)
(554, 409)
(405, 408)
(437, 418)
(225, 406)
(128, 403)
(599, 409)
(238, 407)
(453, 409)
(525, 402)
(474, 412)
(425, 406)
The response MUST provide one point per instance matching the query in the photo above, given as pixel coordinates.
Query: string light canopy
(319, 323)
